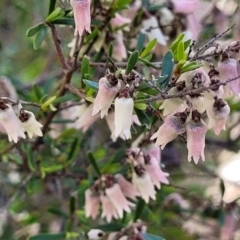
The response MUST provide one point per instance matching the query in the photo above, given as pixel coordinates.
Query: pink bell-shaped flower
(227, 68)
(108, 89)
(127, 188)
(217, 115)
(156, 174)
(153, 151)
(10, 122)
(119, 21)
(142, 180)
(82, 16)
(173, 126)
(196, 130)
(119, 49)
(123, 114)
(92, 203)
(108, 209)
(118, 200)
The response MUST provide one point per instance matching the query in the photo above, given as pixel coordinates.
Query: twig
(16, 102)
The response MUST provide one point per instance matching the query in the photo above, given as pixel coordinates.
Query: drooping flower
(119, 49)
(108, 89)
(152, 150)
(123, 114)
(198, 102)
(228, 69)
(118, 200)
(194, 26)
(119, 21)
(170, 129)
(142, 180)
(95, 234)
(10, 122)
(92, 202)
(108, 209)
(82, 16)
(127, 188)
(196, 130)
(156, 174)
(30, 124)
(217, 114)
(198, 78)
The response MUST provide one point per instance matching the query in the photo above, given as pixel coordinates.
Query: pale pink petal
(156, 174)
(108, 209)
(92, 203)
(185, 6)
(82, 16)
(127, 188)
(196, 132)
(119, 201)
(152, 150)
(193, 26)
(119, 49)
(119, 20)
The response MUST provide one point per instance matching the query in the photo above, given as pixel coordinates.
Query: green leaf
(140, 106)
(167, 67)
(146, 88)
(30, 159)
(73, 149)
(189, 66)
(93, 163)
(48, 102)
(52, 169)
(34, 30)
(187, 43)
(139, 209)
(111, 227)
(72, 205)
(132, 61)
(181, 55)
(58, 212)
(38, 92)
(55, 14)
(40, 37)
(91, 84)
(110, 50)
(148, 236)
(143, 118)
(51, 6)
(64, 98)
(120, 4)
(149, 47)
(64, 21)
(141, 41)
(85, 68)
(149, 64)
(174, 44)
(48, 236)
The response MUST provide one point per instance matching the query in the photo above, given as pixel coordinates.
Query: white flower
(30, 124)
(11, 123)
(142, 180)
(123, 116)
(95, 234)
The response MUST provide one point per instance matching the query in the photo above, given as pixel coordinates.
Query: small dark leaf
(64, 21)
(48, 236)
(149, 47)
(139, 209)
(93, 163)
(91, 84)
(141, 41)
(58, 212)
(34, 30)
(40, 37)
(143, 118)
(132, 61)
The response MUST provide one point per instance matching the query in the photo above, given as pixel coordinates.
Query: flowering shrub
(96, 145)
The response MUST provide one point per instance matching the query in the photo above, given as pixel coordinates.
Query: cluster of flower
(15, 121)
(112, 191)
(178, 120)
(133, 231)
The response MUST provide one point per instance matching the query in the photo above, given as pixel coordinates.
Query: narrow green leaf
(38, 92)
(85, 68)
(73, 149)
(52, 4)
(132, 61)
(139, 209)
(72, 205)
(93, 163)
(140, 106)
(181, 55)
(167, 67)
(110, 50)
(30, 159)
(52, 169)
(64, 98)
(58, 212)
(148, 236)
(149, 64)
(34, 30)
(111, 227)
(222, 187)
(63, 21)
(55, 14)
(174, 44)
(91, 84)
(146, 88)
(187, 43)
(40, 37)
(48, 102)
(143, 118)
(48, 236)
(149, 47)
(189, 66)
(141, 41)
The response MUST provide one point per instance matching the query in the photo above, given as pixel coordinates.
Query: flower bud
(95, 234)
